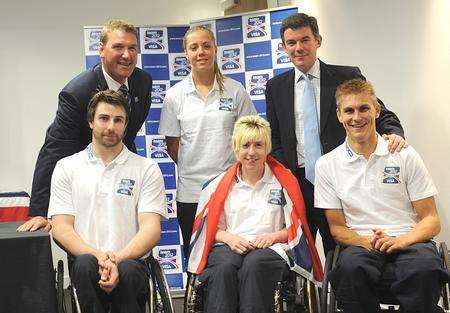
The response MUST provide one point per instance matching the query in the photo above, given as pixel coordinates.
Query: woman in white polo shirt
(197, 119)
(247, 219)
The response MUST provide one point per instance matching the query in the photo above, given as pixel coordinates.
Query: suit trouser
(316, 217)
(242, 283)
(417, 282)
(186, 216)
(130, 295)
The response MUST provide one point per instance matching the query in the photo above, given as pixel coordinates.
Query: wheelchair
(159, 300)
(295, 295)
(388, 302)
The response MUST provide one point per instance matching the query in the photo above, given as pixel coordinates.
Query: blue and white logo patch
(391, 175)
(94, 40)
(169, 200)
(256, 27)
(158, 92)
(275, 197)
(226, 104)
(153, 40)
(126, 187)
(231, 59)
(168, 259)
(181, 67)
(159, 149)
(281, 56)
(258, 84)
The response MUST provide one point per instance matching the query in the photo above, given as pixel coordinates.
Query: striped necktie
(124, 90)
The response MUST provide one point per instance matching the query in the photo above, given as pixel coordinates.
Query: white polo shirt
(205, 126)
(250, 210)
(106, 201)
(374, 193)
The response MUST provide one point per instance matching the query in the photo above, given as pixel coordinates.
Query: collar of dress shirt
(112, 84)
(314, 71)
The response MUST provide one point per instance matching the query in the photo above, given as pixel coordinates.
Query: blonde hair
(251, 128)
(113, 25)
(355, 86)
(218, 74)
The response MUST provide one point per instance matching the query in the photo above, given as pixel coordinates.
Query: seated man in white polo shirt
(105, 205)
(381, 207)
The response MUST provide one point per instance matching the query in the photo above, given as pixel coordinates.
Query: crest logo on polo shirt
(258, 84)
(275, 197)
(153, 39)
(226, 104)
(391, 175)
(181, 67)
(168, 259)
(159, 149)
(281, 56)
(256, 27)
(158, 92)
(231, 59)
(94, 40)
(126, 187)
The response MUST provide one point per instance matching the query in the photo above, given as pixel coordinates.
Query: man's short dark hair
(114, 98)
(297, 21)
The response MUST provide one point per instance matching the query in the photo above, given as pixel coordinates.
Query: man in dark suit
(288, 96)
(70, 132)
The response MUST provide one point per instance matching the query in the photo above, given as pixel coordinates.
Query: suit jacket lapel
(327, 87)
(102, 84)
(288, 101)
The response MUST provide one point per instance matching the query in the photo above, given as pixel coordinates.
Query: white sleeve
(169, 125)
(418, 181)
(325, 194)
(244, 103)
(60, 192)
(153, 197)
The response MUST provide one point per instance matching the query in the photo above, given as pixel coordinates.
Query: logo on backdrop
(169, 200)
(256, 27)
(231, 59)
(258, 84)
(158, 93)
(159, 149)
(94, 40)
(167, 258)
(181, 67)
(153, 40)
(126, 187)
(391, 175)
(282, 57)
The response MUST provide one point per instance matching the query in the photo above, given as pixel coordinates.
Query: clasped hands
(241, 245)
(108, 271)
(382, 242)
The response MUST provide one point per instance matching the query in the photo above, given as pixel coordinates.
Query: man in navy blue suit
(70, 132)
(287, 114)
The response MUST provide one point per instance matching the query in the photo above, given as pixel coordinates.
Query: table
(27, 278)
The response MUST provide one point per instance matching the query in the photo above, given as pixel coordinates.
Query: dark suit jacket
(70, 132)
(280, 112)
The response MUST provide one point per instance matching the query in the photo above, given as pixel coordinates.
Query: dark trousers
(186, 216)
(242, 283)
(316, 217)
(416, 284)
(130, 295)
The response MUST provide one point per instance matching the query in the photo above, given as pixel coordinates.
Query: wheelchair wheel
(60, 286)
(161, 301)
(194, 296)
(443, 251)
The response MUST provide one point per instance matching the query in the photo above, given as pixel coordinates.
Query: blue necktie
(313, 149)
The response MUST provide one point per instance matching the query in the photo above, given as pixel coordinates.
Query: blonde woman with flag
(249, 219)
